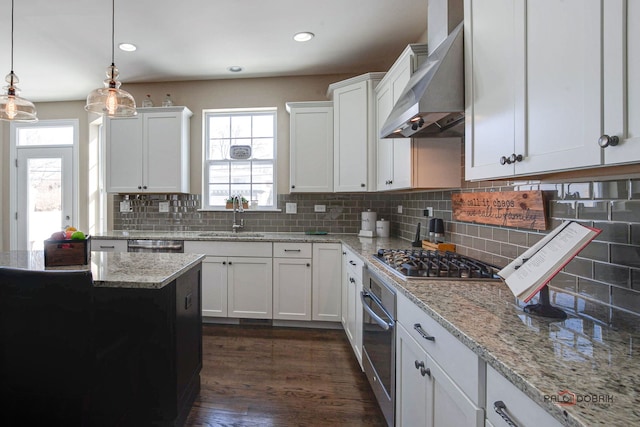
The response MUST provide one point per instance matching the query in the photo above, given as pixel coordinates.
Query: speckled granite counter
(116, 270)
(540, 357)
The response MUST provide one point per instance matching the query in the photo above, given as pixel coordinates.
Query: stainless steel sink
(229, 234)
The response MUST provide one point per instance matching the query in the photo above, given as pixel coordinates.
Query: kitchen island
(150, 303)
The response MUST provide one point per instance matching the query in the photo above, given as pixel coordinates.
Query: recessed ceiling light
(235, 68)
(127, 47)
(304, 36)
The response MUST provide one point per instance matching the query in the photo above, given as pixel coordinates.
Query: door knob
(605, 140)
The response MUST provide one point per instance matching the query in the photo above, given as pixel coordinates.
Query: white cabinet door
(355, 317)
(350, 138)
(385, 169)
(394, 154)
(109, 245)
(311, 147)
(621, 87)
(411, 390)
(491, 61)
(447, 405)
(355, 135)
(562, 93)
(327, 274)
(124, 154)
(166, 149)
(148, 152)
(214, 287)
(292, 288)
(425, 394)
(250, 287)
(351, 302)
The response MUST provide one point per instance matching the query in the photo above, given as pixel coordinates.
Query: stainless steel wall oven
(378, 340)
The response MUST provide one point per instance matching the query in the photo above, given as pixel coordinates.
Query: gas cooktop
(423, 264)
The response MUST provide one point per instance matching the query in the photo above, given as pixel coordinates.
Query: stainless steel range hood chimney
(432, 104)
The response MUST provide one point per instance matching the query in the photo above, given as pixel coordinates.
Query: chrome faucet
(237, 207)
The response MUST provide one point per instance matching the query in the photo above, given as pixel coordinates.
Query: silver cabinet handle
(292, 250)
(423, 333)
(501, 409)
(107, 247)
(605, 141)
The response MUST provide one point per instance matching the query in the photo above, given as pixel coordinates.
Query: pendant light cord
(113, 32)
(12, 6)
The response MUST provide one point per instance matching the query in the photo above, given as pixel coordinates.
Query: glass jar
(167, 102)
(147, 102)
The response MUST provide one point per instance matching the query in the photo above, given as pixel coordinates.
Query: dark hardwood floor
(271, 376)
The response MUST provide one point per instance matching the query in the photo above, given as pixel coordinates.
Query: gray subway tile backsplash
(606, 272)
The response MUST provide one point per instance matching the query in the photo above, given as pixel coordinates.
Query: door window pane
(41, 135)
(44, 199)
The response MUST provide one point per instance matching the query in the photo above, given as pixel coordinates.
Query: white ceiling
(62, 47)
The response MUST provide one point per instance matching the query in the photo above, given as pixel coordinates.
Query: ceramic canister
(382, 228)
(368, 221)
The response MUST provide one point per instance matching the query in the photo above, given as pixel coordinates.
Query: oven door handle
(379, 320)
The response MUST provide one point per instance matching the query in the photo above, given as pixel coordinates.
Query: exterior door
(43, 189)
(44, 194)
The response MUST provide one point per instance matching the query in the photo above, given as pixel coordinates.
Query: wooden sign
(524, 209)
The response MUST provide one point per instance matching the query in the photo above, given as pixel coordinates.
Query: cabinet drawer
(225, 248)
(109, 245)
(521, 409)
(292, 250)
(462, 364)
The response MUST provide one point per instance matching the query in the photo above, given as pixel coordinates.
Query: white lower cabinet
(425, 394)
(114, 245)
(513, 404)
(292, 281)
(327, 276)
(439, 381)
(237, 278)
(214, 280)
(250, 287)
(351, 302)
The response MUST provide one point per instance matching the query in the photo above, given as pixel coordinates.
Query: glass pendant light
(12, 107)
(110, 99)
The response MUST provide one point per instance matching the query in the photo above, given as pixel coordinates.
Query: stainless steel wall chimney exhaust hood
(432, 104)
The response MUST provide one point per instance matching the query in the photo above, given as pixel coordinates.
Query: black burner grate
(421, 263)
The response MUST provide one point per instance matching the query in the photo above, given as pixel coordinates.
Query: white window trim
(205, 171)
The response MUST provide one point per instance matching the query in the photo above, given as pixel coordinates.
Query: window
(226, 175)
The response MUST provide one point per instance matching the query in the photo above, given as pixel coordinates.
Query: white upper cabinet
(540, 93)
(394, 154)
(404, 163)
(148, 152)
(311, 147)
(355, 133)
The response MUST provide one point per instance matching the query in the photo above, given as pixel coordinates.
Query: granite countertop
(539, 356)
(116, 269)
